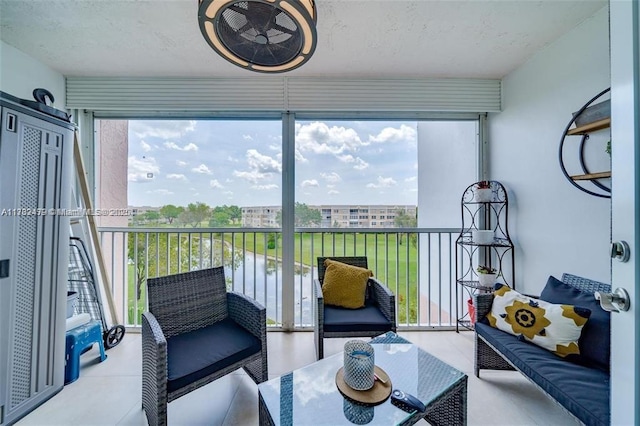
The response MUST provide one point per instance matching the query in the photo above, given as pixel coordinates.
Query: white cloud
(177, 176)
(383, 183)
(261, 167)
(213, 183)
(333, 191)
(310, 182)
(187, 147)
(411, 179)
(202, 169)
(181, 163)
(332, 177)
(391, 134)
(263, 163)
(319, 138)
(251, 176)
(300, 158)
(140, 168)
(265, 187)
(145, 146)
(247, 137)
(160, 192)
(163, 129)
(360, 164)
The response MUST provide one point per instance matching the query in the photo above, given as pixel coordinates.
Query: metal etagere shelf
(484, 208)
(589, 119)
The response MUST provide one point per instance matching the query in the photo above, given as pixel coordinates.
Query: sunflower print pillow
(554, 327)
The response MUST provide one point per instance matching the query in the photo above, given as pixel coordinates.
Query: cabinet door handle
(4, 268)
(12, 122)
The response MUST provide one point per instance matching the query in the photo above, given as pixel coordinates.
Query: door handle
(620, 251)
(614, 302)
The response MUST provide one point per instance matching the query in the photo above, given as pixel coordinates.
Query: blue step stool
(78, 340)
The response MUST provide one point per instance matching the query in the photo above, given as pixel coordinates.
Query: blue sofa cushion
(595, 340)
(582, 390)
(369, 318)
(200, 353)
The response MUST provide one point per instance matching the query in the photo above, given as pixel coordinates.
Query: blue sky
(240, 162)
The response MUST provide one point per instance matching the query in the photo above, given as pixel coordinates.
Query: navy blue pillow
(595, 340)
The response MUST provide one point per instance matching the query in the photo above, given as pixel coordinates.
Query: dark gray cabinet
(36, 151)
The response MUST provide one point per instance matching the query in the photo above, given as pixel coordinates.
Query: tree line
(200, 214)
(194, 215)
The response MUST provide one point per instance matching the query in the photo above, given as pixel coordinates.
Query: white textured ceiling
(367, 38)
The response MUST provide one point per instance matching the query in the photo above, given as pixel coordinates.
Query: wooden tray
(377, 394)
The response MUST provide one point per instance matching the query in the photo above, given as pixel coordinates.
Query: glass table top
(309, 395)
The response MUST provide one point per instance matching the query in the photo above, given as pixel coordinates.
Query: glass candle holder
(359, 363)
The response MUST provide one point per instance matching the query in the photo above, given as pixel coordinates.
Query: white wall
(556, 228)
(20, 74)
(447, 159)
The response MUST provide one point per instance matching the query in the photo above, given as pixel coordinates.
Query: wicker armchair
(192, 313)
(377, 317)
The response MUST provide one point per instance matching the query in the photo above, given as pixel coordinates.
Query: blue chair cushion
(595, 340)
(582, 390)
(200, 353)
(369, 318)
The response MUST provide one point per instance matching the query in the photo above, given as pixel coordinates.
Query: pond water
(261, 279)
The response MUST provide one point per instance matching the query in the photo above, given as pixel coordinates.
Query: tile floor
(108, 393)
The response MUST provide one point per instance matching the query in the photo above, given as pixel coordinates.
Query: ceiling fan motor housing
(269, 36)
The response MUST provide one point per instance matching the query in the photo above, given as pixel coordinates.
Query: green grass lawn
(141, 304)
(395, 265)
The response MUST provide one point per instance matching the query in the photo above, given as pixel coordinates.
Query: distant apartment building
(333, 216)
(362, 216)
(260, 217)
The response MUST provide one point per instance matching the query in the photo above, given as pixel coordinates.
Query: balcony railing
(417, 264)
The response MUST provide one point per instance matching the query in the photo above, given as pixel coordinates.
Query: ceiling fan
(268, 36)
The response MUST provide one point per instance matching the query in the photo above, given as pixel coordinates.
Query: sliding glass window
(388, 190)
(201, 193)
(205, 193)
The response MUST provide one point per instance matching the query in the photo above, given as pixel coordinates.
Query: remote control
(406, 402)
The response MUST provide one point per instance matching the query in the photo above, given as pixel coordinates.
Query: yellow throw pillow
(554, 327)
(344, 285)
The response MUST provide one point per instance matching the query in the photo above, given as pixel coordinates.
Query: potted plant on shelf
(487, 275)
(483, 192)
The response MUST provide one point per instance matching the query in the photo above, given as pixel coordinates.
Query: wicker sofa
(581, 388)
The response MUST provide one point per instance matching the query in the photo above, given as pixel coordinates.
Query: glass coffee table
(309, 395)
